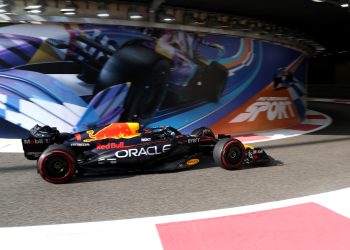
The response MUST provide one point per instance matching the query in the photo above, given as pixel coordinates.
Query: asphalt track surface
(304, 165)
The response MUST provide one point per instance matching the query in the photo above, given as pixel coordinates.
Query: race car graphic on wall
(133, 72)
(93, 75)
(124, 147)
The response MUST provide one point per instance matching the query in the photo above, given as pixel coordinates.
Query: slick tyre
(203, 131)
(229, 154)
(57, 164)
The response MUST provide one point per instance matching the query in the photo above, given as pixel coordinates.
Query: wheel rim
(57, 167)
(234, 155)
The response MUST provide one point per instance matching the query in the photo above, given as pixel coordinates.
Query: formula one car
(161, 75)
(97, 74)
(121, 147)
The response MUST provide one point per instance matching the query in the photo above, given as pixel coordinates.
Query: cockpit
(163, 132)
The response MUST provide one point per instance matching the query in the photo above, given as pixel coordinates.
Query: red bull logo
(115, 131)
(111, 145)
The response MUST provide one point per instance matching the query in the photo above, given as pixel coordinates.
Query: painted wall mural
(77, 76)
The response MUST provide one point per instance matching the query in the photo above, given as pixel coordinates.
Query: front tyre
(57, 164)
(229, 154)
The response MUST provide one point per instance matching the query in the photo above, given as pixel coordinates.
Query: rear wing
(39, 138)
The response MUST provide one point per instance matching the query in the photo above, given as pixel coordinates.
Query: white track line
(290, 132)
(141, 233)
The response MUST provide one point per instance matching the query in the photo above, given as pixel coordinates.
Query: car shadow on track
(16, 168)
(97, 177)
(210, 164)
(273, 163)
(206, 164)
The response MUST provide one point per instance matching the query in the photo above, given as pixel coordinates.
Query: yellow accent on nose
(248, 147)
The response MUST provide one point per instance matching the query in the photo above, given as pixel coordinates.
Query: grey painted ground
(305, 165)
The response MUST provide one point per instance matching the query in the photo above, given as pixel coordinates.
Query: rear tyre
(203, 131)
(229, 154)
(57, 164)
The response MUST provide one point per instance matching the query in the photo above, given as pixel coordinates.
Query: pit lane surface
(305, 165)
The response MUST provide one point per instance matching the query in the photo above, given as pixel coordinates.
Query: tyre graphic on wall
(148, 73)
(213, 78)
(130, 78)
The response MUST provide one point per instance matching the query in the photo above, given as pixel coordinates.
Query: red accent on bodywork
(77, 137)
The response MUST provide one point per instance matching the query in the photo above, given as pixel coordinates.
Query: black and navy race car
(124, 147)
